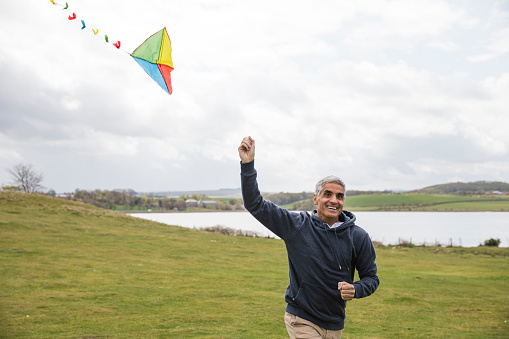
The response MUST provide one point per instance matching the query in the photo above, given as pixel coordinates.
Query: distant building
(208, 203)
(201, 203)
(498, 193)
(191, 203)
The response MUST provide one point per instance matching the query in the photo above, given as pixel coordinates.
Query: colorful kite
(154, 56)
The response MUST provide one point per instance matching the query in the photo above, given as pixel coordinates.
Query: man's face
(330, 202)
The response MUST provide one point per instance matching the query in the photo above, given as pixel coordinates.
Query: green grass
(454, 293)
(69, 270)
(427, 202)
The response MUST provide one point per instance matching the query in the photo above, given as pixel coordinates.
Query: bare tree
(26, 179)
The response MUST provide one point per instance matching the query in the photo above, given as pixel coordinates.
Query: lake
(466, 229)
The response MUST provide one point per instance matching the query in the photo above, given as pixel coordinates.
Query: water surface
(467, 229)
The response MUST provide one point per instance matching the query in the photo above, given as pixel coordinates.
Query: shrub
(492, 242)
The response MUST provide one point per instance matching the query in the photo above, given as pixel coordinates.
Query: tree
(26, 179)
(492, 242)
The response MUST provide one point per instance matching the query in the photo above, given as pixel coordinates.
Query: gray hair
(327, 180)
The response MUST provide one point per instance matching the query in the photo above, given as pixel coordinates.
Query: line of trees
(287, 198)
(127, 199)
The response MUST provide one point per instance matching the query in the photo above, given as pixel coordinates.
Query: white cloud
(402, 24)
(70, 104)
(496, 43)
(8, 155)
(447, 46)
(481, 57)
(498, 46)
(485, 142)
(500, 42)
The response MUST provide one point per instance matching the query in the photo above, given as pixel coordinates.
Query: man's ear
(315, 199)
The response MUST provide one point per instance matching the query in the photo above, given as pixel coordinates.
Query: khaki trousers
(299, 328)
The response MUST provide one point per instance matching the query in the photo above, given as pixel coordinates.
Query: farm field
(427, 202)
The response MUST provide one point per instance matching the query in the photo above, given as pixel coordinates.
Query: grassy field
(70, 270)
(425, 202)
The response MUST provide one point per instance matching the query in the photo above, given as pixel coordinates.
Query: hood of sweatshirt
(346, 218)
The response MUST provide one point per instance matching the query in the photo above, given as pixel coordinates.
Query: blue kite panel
(153, 71)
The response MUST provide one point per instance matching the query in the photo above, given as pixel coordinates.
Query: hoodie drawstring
(341, 253)
(332, 247)
(334, 250)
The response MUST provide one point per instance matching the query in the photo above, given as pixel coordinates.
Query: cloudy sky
(385, 94)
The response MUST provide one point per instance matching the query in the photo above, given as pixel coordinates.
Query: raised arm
(277, 219)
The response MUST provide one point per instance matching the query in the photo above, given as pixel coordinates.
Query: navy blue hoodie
(318, 256)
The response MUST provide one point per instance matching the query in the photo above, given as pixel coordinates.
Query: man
(324, 249)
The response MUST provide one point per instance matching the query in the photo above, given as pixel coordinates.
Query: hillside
(477, 187)
(71, 270)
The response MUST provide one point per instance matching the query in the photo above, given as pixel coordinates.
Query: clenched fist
(347, 290)
(247, 150)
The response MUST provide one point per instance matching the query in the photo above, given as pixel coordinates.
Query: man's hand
(347, 290)
(247, 150)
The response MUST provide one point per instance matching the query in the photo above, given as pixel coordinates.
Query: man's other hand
(347, 290)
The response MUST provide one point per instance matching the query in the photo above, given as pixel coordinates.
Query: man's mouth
(332, 208)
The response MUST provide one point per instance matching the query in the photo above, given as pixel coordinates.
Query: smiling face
(330, 202)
